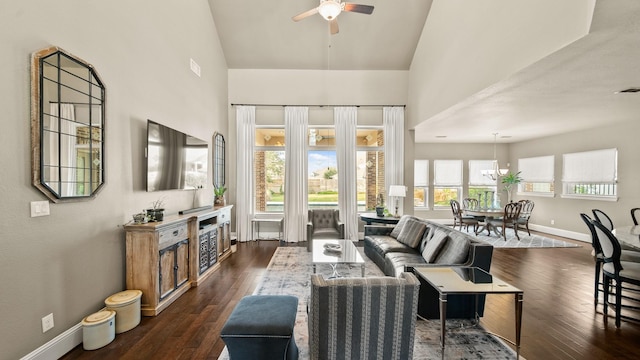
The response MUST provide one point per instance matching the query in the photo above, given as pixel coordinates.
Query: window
(370, 166)
(269, 170)
(421, 184)
(590, 174)
(537, 175)
(322, 167)
(447, 182)
(481, 186)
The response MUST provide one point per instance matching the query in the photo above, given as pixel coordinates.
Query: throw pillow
(431, 251)
(455, 251)
(412, 232)
(398, 228)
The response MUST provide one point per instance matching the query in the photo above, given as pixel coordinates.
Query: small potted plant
(219, 199)
(509, 181)
(156, 212)
(380, 206)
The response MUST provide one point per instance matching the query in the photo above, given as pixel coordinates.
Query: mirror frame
(94, 122)
(219, 160)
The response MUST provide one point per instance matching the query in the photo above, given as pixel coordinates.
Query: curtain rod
(316, 105)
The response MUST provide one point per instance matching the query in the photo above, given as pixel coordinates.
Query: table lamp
(397, 191)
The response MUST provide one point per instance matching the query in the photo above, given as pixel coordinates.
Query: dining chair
(525, 214)
(472, 204)
(633, 215)
(603, 218)
(613, 269)
(625, 255)
(510, 218)
(460, 218)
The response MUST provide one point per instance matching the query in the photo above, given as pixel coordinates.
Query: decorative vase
(219, 200)
(380, 211)
(155, 214)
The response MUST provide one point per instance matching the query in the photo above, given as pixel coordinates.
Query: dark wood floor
(559, 320)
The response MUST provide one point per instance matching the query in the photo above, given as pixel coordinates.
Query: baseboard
(560, 232)
(545, 229)
(58, 346)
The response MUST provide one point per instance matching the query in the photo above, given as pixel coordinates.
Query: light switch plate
(39, 208)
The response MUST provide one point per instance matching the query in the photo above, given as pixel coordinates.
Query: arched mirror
(218, 160)
(67, 126)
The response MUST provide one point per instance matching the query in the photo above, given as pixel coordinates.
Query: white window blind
(421, 173)
(447, 172)
(598, 166)
(475, 172)
(537, 169)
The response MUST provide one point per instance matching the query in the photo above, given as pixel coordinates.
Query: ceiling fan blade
(305, 14)
(357, 8)
(333, 26)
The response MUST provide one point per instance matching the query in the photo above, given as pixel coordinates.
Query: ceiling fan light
(329, 9)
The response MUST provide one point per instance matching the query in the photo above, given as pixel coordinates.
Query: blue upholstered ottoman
(261, 327)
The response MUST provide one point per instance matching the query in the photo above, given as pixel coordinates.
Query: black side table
(370, 218)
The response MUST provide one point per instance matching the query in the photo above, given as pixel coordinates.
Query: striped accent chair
(363, 318)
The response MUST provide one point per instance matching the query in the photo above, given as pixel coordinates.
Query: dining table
(628, 236)
(488, 214)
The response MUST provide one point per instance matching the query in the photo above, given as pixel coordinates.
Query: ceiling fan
(330, 9)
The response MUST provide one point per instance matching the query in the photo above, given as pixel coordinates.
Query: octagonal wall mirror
(67, 126)
(218, 160)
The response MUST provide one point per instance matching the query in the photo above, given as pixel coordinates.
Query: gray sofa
(418, 242)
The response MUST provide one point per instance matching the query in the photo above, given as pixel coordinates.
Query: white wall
(69, 262)
(466, 46)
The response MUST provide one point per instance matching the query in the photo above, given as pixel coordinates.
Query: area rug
(526, 240)
(289, 273)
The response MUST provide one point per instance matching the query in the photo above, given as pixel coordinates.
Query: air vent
(629, 90)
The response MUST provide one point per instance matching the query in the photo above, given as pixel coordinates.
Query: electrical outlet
(47, 323)
(553, 222)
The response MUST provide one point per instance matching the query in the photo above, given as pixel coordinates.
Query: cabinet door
(167, 273)
(182, 262)
(213, 247)
(203, 251)
(226, 231)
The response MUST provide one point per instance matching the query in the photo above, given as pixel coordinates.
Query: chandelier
(496, 171)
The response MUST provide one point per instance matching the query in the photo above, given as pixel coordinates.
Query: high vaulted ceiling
(566, 90)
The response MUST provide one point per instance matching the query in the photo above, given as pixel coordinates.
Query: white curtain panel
(346, 121)
(393, 121)
(295, 179)
(245, 188)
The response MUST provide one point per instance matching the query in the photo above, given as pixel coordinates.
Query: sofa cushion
(382, 244)
(394, 262)
(428, 234)
(432, 249)
(455, 251)
(398, 228)
(412, 232)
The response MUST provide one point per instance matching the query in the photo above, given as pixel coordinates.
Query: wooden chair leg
(528, 232)
(596, 284)
(618, 302)
(606, 281)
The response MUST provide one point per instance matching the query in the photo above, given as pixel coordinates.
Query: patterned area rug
(526, 240)
(289, 273)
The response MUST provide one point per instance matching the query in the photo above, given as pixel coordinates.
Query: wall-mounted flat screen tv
(175, 160)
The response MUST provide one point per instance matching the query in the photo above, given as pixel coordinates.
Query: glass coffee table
(335, 252)
(471, 281)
